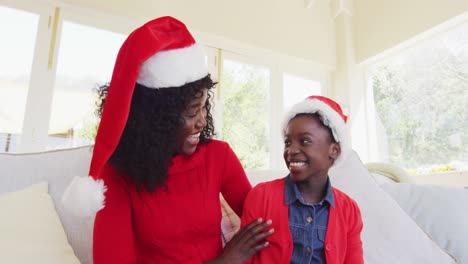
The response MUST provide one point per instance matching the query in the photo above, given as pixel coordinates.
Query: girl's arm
(354, 252)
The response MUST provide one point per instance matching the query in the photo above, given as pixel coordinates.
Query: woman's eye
(305, 141)
(191, 115)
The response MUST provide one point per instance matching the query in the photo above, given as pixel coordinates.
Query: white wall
(382, 24)
(283, 26)
(348, 86)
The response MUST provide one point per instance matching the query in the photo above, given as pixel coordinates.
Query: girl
(314, 222)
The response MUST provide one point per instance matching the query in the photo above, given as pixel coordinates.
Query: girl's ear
(334, 151)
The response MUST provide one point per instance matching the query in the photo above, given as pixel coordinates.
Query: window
(245, 91)
(421, 98)
(64, 53)
(86, 60)
(296, 89)
(18, 30)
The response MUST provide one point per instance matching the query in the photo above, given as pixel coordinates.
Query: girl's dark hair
(154, 124)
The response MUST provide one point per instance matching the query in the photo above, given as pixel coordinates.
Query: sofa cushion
(30, 229)
(389, 234)
(390, 171)
(442, 212)
(230, 222)
(57, 168)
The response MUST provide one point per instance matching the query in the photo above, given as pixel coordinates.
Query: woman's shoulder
(113, 178)
(216, 143)
(215, 146)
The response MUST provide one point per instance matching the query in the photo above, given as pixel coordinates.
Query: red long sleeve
(177, 224)
(343, 238)
(113, 229)
(235, 184)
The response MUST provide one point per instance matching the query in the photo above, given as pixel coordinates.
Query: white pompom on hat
(331, 115)
(160, 54)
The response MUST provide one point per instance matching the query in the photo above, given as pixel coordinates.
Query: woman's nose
(201, 121)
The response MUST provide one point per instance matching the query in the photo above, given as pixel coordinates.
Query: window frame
(40, 94)
(377, 138)
(45, 59)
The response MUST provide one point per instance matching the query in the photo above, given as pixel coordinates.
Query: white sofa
(57, 168)
(390, 235)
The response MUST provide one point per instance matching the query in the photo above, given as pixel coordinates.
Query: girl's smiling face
(309, 151)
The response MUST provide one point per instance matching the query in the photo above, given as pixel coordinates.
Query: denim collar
(292, 193)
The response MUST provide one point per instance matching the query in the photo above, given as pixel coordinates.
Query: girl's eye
(305, 141)
(287, 143)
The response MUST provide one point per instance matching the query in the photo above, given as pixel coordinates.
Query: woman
(156, 161)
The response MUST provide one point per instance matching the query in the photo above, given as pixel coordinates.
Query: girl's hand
(245, 243)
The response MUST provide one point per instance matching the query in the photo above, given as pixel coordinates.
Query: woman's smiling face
(194, 122)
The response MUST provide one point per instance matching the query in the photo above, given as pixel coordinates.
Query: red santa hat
(160, 54)
(331, 115)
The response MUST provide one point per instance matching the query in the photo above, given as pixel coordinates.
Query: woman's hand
(245, 243)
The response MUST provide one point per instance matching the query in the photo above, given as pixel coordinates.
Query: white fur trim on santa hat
(173, 68)
(84, 197)
(311, 106)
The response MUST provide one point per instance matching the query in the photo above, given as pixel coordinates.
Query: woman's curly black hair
(154, 124)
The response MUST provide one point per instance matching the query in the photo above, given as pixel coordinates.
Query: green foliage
(422, 99)
(245, 91)
(88, 130)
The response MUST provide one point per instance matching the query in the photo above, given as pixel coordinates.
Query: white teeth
(194, 136)
(296, 164)
(193, 139)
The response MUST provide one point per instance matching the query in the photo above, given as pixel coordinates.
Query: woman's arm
(234, 182)
(113, 240)
(245, 243)
(250, 239)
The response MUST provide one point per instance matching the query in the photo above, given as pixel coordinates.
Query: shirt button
(309, 251)
(309, 219)
(328, 247)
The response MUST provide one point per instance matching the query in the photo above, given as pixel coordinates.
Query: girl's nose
(292, 150)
